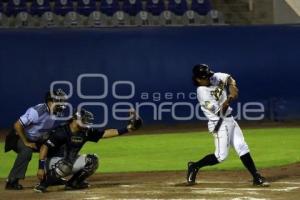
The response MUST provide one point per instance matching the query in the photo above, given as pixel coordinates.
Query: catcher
(73, 136)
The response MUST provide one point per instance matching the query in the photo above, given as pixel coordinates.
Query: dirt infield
(235, 185)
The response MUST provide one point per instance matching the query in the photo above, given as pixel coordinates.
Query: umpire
(29, 131)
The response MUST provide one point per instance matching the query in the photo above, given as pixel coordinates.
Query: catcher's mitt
(135, 121)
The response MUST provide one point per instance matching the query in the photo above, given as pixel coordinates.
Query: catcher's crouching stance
(72, 136)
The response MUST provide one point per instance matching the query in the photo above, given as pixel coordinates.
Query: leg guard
(91, 165)
(61, 169)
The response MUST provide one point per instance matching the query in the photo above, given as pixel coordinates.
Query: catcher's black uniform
(81, 166)
(70, 162)
(72, 143)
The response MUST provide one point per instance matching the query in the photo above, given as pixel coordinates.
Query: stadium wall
(157, 62)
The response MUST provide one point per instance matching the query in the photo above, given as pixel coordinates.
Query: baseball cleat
(77, 186)
(40, 188)
(191, 174)
(261, 181)
(60, 181)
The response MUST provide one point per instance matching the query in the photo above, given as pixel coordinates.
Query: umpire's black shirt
(71, 142)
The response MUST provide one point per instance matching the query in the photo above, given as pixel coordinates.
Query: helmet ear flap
(195, 81)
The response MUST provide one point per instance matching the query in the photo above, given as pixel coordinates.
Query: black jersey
(71, 142)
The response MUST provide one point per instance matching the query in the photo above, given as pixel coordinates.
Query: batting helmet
(202, 71)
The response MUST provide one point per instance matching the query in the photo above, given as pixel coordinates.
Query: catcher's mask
(58, 97)
(85, 118)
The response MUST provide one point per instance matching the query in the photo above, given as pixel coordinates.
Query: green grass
(161, 152)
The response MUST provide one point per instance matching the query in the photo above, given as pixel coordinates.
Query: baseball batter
(212, 96)
(72, 136)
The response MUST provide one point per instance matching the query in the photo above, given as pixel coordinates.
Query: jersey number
(218, 91)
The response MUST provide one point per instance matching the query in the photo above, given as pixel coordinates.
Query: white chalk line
(248, 198)
(237, 198)
(286, 189)
(205, 190)
(275, 186)
(200, 190)
(176, 184)
(158, 199)
(238, 182)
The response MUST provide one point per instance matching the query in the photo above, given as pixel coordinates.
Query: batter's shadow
(92, 186)
(184, 184)
(277, 178)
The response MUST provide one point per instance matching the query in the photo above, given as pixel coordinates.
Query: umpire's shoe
(76, 185)
(191, 174)
(260, 181)
(13, 185)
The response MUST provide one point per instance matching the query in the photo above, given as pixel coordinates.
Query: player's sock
(249, 164)
(206, 161)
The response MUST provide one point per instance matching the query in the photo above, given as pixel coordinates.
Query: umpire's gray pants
(19, 168)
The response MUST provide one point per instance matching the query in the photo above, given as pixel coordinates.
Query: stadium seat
(17, 13)
(143, 18)
(155, 7)
(178, 7)
(95, 19)
(62, 7)
(72, 19)
(39, 7)
(15, 6)
(3, 20)
(1, 6)
(215, 17)
(132, 7)
(49, 19)
(120, 18)
(202, 7)
(23, 19)
(86, 7)
(109, 7)
(193, 18)
(166, 18)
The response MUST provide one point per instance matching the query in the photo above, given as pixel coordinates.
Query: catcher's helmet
(202, 71)
(86, 117)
